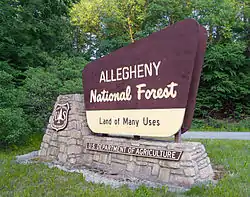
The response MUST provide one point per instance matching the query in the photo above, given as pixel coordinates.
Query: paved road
(217, 135)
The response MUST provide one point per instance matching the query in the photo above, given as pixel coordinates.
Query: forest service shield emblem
(60, 116)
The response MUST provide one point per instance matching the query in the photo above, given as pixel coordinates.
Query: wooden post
(177, 137)
(137, 137)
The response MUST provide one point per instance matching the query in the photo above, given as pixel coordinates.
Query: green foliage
(39, 180)
(37, 64)
(8, 92)
(211, 124)
(41, 90)
(31, 31)
(224, 87)
(40, 44)
(13, 126)
(69, 71)
(13, 122)
(221, 18)
(33, 102)
(43, 85)
(106, 25)
(161, 13)
(121, 22)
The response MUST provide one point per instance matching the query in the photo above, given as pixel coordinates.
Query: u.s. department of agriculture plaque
(149, 87)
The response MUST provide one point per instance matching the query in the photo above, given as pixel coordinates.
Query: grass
(39, 180)
(220, 125)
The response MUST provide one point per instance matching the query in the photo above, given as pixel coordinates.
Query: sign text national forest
(149, 87)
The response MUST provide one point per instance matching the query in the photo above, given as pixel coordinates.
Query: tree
(32, 32)
(224, 87)
(36, 50)
(220, 17)
(105, 25)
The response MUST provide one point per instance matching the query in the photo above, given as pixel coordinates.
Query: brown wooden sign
(149, 87)
(136, 151)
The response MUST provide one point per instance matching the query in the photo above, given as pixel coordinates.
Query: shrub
(43, 85)
(224, 88)
(13, 126)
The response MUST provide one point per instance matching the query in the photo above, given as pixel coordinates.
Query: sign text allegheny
(149, 87)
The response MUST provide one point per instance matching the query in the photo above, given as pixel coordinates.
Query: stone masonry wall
(59, 145)
(68, 147)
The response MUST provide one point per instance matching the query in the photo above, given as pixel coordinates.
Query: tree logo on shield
(60, 116)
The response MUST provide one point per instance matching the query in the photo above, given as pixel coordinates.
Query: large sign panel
(149, 87)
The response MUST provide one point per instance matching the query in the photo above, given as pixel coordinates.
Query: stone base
(68, 147)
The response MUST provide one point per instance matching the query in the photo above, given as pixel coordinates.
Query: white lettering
(140, 91)
(119, 74)
(157, 67)
(148, 70)
(172, 92)
(125, 73)
(159, 93)
(130, 72)
(106, 96)
(93, 96)
(107, 78)
(102, 77)
(140, 71)
(112, 75)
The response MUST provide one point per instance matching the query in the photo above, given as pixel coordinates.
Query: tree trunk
(130, 30)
